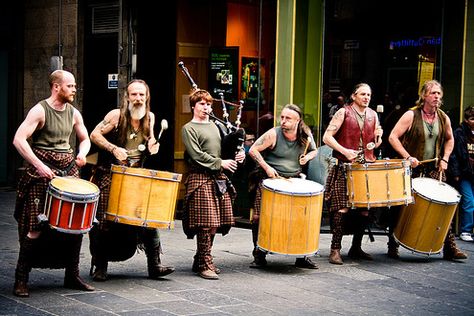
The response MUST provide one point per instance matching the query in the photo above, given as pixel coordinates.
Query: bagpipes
(232, 136)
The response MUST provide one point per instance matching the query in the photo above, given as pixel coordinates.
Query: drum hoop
(71, 231)
(433, 199)
(373, 166)
(294, 193)
(116, 216)
(72, 197)
(430, 199)
(175, 178)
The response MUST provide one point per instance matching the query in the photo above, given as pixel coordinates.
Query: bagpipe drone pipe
(232, 135)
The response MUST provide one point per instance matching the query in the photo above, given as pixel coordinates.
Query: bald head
(59, 76)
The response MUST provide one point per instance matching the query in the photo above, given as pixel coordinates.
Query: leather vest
(414, 139)
(350, 134)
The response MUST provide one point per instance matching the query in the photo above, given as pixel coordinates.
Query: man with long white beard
(123, 136)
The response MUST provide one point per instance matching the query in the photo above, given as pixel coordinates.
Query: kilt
(203, 208)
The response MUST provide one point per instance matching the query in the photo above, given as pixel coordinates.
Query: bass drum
(423, 226)
(290, 217)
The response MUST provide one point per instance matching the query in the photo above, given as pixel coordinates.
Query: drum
(290, 218)
(423, 226)
(143, 197)
(71, 204)
(381, 183)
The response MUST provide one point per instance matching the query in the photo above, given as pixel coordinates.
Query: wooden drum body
(71, 204)
(143, 197)
(290, 217)
(381, 183)
(423, 226)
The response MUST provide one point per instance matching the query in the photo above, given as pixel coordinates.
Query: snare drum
(290, 218)
(143, 197)
(71, 204)
(423, 226)
(381, 183)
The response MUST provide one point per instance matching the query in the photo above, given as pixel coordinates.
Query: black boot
(155, 269)
(72, 280)
(100, 272)
(98, 249)
(259, 257)
(23, 268)
(356, 251)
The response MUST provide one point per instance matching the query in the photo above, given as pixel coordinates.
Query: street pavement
(414, 285)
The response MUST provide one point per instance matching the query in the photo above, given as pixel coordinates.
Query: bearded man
(123, 135)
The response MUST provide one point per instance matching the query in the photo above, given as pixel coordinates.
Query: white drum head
(294, 186)
(436, 190)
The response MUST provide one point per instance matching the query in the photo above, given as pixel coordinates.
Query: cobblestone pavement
(414, 285)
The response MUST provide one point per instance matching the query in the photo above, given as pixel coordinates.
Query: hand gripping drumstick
(427, 160)
(306, 147)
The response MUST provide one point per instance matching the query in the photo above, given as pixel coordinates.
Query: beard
(137, 110)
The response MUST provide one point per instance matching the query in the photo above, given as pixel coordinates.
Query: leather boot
(335, 256)
(155, 269)
(23, 268)
(259, 257)
(98, 249)
(100, 273)
(72, 280)
(356, 251)
(450, 250)
(392, 248)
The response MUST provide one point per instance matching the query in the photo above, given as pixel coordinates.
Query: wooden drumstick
(306, 148)
(427, 160)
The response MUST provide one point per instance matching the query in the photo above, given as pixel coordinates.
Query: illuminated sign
(422, 41)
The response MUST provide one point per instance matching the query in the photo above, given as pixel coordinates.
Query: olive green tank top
(57, 129)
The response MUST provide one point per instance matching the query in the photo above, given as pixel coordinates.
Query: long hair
(125, 118)
(303, 131)
(425, 90)
(356, 90)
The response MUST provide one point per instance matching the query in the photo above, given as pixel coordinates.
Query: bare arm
(328, 137)
(402, 126)
(153, 145)
(267, 140)
(33, 121)
(107, 125)
(83, 137)
(448, 145)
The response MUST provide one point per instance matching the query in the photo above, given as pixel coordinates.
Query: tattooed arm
(334, 126)
(109, 122)
(265, 141)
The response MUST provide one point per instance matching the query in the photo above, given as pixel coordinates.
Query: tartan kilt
(203, 208)
(335, 193)
(31, 189)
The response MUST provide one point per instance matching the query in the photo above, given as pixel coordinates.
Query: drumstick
(307, 146)
(427, 160)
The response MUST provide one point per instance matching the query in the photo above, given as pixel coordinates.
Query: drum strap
(371, 235)
(60, 172)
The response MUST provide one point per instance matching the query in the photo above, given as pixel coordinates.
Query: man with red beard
(121, 135)
(49, 124)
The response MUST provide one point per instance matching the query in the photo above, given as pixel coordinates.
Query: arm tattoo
(332, 127)
(103, 125)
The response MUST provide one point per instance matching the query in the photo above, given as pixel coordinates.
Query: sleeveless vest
(414, 139)
(350, 134)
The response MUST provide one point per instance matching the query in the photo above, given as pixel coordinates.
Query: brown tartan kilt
(52, 249)
(203, 208)
(31, 189)
(335, 193)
